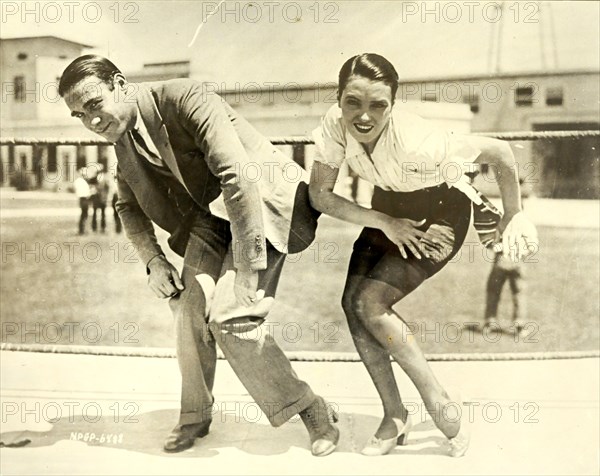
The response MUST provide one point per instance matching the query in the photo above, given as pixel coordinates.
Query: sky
(307, 41)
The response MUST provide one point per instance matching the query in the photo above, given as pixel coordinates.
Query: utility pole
(546, 29)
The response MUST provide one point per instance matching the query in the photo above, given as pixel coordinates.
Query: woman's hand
(404, 233)
(519, 238)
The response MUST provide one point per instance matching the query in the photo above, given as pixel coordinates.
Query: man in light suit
(189, 164)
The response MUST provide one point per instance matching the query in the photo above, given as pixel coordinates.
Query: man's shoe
(323, 435)
(183, 437)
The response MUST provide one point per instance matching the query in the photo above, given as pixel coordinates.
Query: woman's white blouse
(411, 153)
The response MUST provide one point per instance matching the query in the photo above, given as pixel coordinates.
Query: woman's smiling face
(366, 106)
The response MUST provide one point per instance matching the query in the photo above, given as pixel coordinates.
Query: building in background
(542, 101)
(297, 111)
(499, 102)
(160, 71)
(32, 108)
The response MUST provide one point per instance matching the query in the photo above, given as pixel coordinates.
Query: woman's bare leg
(372, 305)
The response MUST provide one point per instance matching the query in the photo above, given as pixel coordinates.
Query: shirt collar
(139, 122)
(354, 148)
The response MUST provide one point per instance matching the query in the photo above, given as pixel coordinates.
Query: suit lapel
(148, 191)
(158, 131)
(129, 160)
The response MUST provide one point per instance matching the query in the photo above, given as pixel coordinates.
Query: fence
(29, 163)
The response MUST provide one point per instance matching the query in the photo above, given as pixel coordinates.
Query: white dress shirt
(141, 128)
(82, 188)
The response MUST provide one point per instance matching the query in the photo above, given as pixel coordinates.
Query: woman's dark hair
(84, 66)
(371, 66)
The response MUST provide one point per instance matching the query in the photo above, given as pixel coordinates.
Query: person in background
(503, 270)
(99, 187)
(82, 190)
(113, 197)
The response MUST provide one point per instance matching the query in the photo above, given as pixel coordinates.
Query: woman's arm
(514, 226)
(499, 155)
(402, 232)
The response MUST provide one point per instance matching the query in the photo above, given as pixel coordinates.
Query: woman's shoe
(377, 446)
(459, 444)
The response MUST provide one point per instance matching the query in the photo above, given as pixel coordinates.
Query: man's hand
(164, 279)
(245, 285)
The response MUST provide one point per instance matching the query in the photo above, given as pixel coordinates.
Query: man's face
(105, 109)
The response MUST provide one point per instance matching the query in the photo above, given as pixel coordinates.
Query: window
(52, 162)
(19, 88)
(81, 157)
(554, 96)
(524, 96)
(103, 157)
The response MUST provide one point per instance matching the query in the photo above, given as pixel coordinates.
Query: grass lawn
(59, 288)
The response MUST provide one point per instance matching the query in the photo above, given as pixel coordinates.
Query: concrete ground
(109, 415)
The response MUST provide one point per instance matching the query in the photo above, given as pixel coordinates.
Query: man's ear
(119, 80)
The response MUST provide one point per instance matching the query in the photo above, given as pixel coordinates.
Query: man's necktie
(143, 149)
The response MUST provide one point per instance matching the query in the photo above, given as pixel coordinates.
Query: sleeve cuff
(251, 254)
(150, 260)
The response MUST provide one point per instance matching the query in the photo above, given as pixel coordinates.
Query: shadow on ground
(228, 430)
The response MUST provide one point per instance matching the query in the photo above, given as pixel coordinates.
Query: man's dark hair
(84, 66)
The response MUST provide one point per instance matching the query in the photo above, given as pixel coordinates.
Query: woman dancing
(418, 221)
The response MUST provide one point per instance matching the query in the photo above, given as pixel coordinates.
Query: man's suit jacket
(220, 159)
